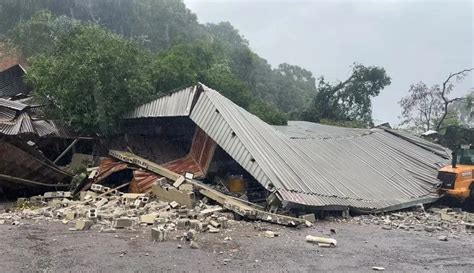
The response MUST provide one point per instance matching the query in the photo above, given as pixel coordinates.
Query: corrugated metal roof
(312, 164)
(7, 114)
(15, 105)
(18, 118)
(11, 82)
(178, 103)
(374, 166)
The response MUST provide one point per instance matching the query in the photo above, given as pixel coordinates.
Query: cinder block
(309, 217)
(148, 219)
(99, 203)
(196, 225)
(158, 234)
(97, 188)
(70, 215)
(122, 223)
(182, 223)
(84, 224)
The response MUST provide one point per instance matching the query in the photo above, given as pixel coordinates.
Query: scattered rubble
(446, 220)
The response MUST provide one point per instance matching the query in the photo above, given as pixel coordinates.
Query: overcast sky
(413, 40)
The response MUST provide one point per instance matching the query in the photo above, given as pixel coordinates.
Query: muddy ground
(51, 247)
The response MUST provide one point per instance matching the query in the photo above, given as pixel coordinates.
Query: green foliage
(158, 22)
(186, 52)
(268, 113)
(91, 78)
(38, 34)
(348, 101)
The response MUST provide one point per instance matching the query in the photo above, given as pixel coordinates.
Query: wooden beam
(29, 182)
(145, 164)
(66, 150)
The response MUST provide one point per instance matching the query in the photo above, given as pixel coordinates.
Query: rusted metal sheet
(17, 162)
(142, 181)
(202, 149)
(109, 166)
(185, 164)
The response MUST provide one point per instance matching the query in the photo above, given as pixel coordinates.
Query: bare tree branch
(443, 94)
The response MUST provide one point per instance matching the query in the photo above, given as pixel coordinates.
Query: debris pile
(446, 220)
(107, 210)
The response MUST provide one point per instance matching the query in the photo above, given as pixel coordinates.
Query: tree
(447, 87)
(422, 107)
(89, 79)
(348, 102)
(430, 108)
(38, 34)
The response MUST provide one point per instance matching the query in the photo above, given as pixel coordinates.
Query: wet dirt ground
(51, 247)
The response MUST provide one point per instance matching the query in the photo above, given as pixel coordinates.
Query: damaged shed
(311, 166)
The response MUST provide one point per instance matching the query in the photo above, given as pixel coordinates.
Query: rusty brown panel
(202, 149)
(184, 164)
(142, 181)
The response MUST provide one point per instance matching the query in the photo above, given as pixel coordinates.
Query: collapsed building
(300, 167)
(23, 167)
(303, 166)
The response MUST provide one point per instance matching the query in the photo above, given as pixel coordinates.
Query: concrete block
(182, 223)
(86, 195)
(99, 203)
(214, 223)
(158, 234)
(144, 199)
(309, 217)
(92, 214)
(148, 219)
(174, 204)
(160, 221)
(179, 181)
(84, 224)
(223, 221)
(196, 225)
(122, 223)
(186, 187)
(138, 203)
(70, 215)
(97, 188)
(171, 194)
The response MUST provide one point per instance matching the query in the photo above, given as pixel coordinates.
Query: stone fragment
(443, 238)
(174, 204)
(84, 224)
(194, 245)
(269, 234)
(430, 228)
(158, 234)
(212, 229)
(182, 223)
(309, 217)
(195, 224)
(148, 219)
(122, 223)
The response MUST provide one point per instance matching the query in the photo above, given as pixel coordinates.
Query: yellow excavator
(457, 179)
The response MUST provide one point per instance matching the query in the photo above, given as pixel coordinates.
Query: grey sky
(413, 40)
